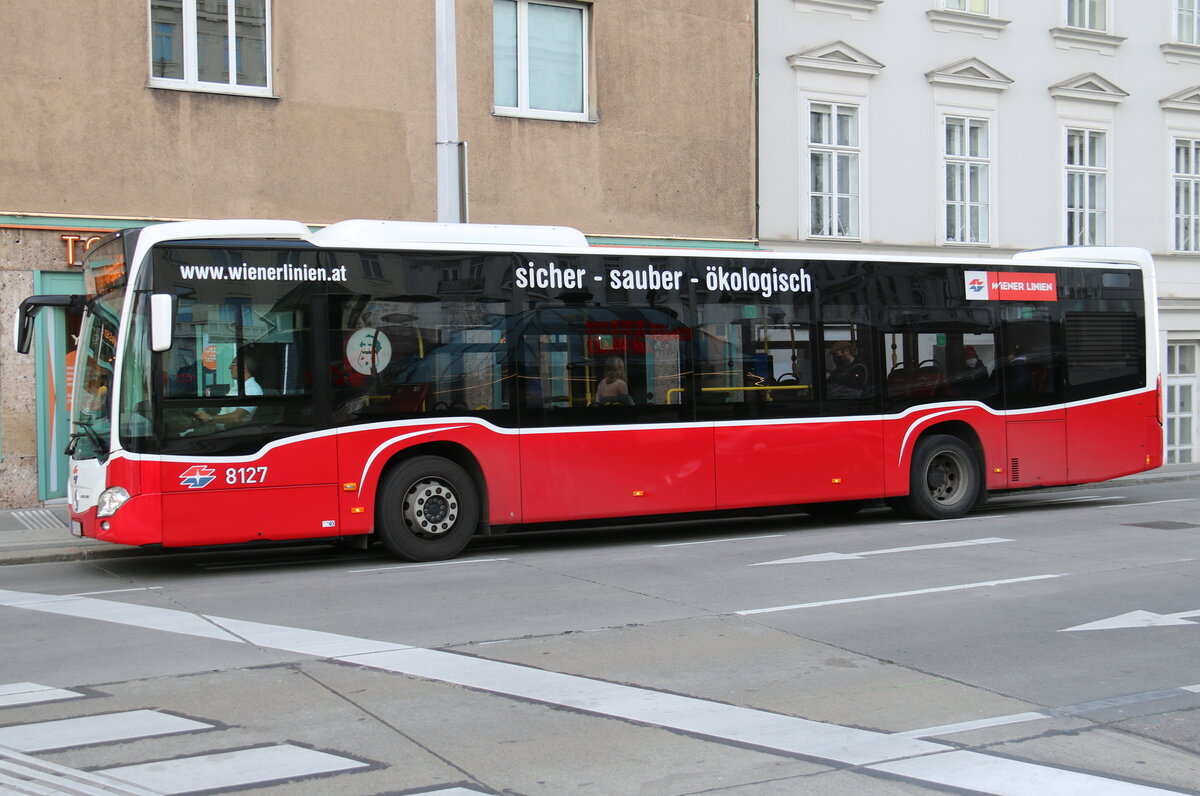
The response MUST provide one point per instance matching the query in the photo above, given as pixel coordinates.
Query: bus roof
(400, 235)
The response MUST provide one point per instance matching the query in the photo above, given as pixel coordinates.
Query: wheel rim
(947, 478)
(430, 507)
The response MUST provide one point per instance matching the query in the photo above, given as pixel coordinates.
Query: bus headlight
(110, 500)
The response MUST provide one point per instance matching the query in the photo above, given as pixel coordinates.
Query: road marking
(307, 642)
(1158, 502)
(1083, 708)
(1136, 619)
(112, 591)
(719, 541)
(1080, 709)
(232, 769)
(979, 724)
(31, 775)
(987, 774)
(146, 616)
(32, 693)
(86, 730)
(455, 562)
(958, 519)
(870, 597)
(38, 520)
(699, 717)
(687, 714)
(852, 556)
(1082, 499)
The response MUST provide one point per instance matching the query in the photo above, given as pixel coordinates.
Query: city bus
(420, 384)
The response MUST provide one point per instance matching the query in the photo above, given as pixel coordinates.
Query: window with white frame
(1180, 404)
(1187, 195)
(540, 59)
(973, 6)
(211, 45)
(967, 165)
(1087, 187)
(1088, 14)
(1187, 21)
(834, 157)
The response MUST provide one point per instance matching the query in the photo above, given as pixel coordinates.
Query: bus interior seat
(922, 381)
(406, 398)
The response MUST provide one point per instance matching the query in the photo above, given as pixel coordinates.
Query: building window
(540, 58)
(1187, 195)
(833, 157)
(1187, 21)
(1087, 187)
(973, 6)
(967, 180)
(1088, 14)
(1180, 407)
(190, 45)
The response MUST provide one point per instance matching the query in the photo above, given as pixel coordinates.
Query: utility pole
(451, 153)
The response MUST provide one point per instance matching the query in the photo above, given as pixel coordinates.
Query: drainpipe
(451, 153)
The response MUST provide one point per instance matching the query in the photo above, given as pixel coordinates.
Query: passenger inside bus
(232, 415)
(612, 388)
(850, 376)
(974, 380)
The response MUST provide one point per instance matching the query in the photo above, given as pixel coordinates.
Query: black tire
(427, 509)
(944, 480)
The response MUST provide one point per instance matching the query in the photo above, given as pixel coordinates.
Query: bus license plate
(77, 528)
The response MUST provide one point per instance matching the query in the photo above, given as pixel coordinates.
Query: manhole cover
(1164, 525)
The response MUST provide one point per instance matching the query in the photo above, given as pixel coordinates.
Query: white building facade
(975, 128)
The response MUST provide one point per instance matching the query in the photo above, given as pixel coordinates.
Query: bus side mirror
(162, 320)
(30, 307)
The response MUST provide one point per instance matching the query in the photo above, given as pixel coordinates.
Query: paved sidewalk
(42, 534)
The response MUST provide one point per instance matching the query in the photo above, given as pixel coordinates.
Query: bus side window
(1030, 367)
(850, 380)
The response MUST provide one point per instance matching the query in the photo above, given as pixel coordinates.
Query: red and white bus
(254, 380)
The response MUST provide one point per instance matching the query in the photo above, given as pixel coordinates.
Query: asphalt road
(1046, 644)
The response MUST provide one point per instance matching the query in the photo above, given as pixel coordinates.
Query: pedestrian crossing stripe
(238, 768)
(38, 520)
(32, 693)
(87, 730)
(24, 774)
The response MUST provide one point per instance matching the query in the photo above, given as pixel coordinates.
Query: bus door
(604, 394)
(1031, 374)
(242, 456)
(788, 393)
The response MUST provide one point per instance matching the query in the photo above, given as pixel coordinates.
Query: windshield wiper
(90, 433)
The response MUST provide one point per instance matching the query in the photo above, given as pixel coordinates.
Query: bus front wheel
(944, 479)
(428, 509)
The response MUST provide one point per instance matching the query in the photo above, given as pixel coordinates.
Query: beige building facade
(623, 119)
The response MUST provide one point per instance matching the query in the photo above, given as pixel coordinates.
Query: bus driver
(232, 415)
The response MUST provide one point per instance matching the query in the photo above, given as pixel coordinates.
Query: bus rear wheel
(427, 510)
(944, 479)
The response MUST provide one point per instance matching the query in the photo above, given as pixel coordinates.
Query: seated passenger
(613, 388)
(849, 377)
(232, 415)
(974, 380)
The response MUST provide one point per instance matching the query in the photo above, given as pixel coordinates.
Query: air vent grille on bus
(1014, 470)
